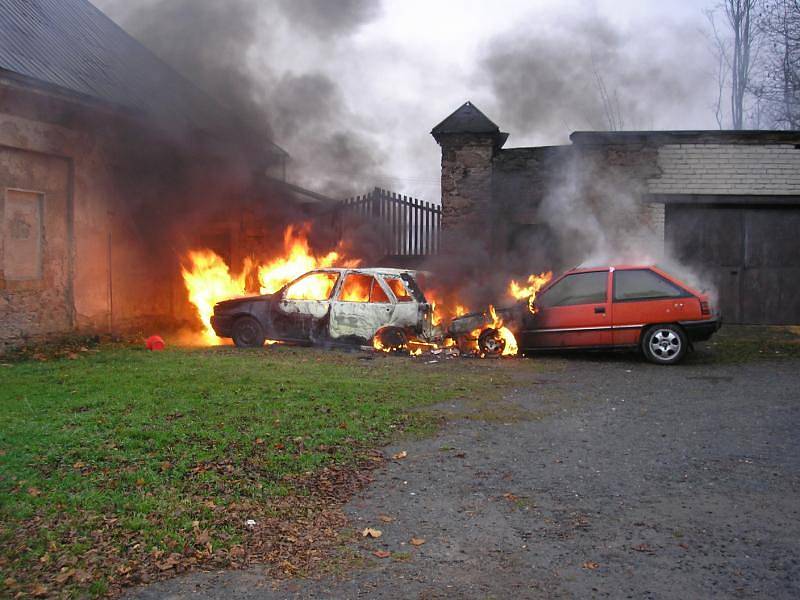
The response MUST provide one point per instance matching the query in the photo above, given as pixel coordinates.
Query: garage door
(750, 253)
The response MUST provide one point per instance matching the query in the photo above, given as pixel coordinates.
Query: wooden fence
(412, 226)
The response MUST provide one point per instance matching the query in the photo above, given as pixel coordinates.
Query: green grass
(121, 457)
(747, 343)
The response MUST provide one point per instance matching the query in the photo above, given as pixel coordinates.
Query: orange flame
(297, 259)
(208, 278)
(511, 347)
(535, 283)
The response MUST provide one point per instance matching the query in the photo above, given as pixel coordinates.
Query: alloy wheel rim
(665, 344)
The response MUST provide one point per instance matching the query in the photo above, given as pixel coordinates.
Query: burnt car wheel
(664, 344)
(248, 333)
(491, 343)
(392, 339)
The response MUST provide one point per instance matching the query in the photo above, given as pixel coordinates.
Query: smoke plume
(241, 53)
(585, 73)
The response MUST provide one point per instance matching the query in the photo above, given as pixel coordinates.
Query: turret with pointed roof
(468, 118)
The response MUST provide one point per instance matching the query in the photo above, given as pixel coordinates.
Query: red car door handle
(600, 310)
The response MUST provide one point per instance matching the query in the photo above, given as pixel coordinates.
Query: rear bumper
(700, 331)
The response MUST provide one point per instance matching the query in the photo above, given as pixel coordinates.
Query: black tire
(664, 344)
(248, 333)
(393, 339)
(491, 343)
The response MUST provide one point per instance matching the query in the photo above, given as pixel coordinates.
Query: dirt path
(606, 477)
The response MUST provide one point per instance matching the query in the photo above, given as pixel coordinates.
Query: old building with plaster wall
(93, 131)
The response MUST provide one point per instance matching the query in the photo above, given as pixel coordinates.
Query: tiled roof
(72, 45)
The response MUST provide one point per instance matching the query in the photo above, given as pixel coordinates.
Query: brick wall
(727, 169)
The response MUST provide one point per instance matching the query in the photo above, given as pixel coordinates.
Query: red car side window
(578, 288)
(643, 284)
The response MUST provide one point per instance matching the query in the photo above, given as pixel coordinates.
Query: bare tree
(721, 49)
(777, 85)
(740, 13)
(736, 47)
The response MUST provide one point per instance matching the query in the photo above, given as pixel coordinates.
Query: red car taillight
(705, 309)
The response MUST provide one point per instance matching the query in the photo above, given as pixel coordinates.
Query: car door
(572, 313)
(361, 307)
(643, 297)
(303, 304)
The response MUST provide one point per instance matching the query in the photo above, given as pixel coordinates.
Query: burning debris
(304, 297)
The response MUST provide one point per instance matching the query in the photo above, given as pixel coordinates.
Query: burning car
(597, 308)
(384, 307)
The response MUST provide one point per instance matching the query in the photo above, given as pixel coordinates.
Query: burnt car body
(634, 307)
(332, 305)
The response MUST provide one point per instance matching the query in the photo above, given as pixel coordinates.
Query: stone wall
(466, 180)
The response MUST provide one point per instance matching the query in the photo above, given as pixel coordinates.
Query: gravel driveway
(605, 477)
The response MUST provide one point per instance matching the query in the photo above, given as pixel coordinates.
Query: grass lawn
(119, 466)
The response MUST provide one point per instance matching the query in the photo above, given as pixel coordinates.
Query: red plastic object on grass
(154, 342)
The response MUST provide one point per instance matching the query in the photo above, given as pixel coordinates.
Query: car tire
(393, 339)
(664, 344)
(491, 343)
(248, 333)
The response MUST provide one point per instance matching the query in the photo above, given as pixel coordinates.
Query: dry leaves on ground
(372, 533)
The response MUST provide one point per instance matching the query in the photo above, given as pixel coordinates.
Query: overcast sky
(535, 67)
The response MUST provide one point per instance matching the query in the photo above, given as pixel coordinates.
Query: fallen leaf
(417, 541)
(79, 465)
(642, 548)
(510, 497)
(259, 441)
(400, 455)
(373, 533)
(34, 491)
(64, 575)
(386, 518)
(591, 565)
(202, 537)
(170, 563)
(39, 591)
(382, 553)
(684, 546)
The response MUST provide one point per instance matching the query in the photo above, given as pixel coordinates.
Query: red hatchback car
(614, 307)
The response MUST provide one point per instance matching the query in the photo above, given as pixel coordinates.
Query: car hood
(233, 303)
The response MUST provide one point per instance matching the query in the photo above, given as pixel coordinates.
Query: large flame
(535, 283)
(297, 259)
(208, 278)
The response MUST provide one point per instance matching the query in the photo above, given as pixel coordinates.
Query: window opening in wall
(22, 235)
